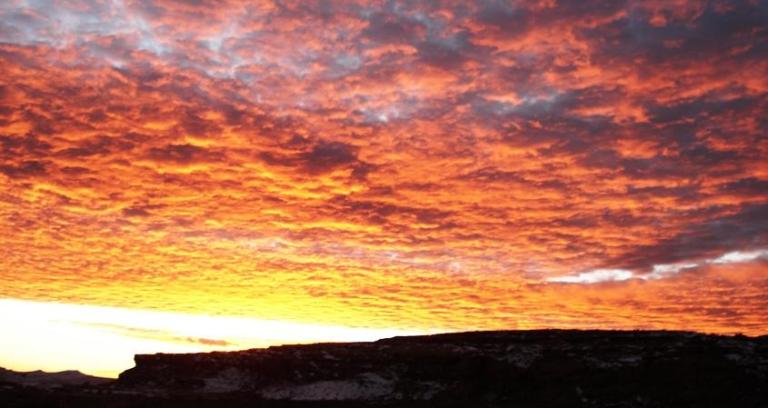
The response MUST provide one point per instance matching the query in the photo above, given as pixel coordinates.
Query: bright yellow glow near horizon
(103, 340)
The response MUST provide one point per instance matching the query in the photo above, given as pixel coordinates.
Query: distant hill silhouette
(42, 379)
(542, 368)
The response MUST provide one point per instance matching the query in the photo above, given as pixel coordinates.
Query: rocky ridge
(539, 367)
(543, 368)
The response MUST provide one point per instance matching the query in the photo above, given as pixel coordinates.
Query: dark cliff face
(533, 368)
(549, 368)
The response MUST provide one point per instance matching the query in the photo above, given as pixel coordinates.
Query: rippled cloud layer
(499, 164)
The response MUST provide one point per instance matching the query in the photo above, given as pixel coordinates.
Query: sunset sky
(307, 171)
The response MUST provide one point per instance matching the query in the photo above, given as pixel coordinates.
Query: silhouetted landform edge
(539, 368)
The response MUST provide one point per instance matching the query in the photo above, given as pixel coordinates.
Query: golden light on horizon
(102, 341)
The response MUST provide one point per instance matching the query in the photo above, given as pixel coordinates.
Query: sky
(352, 170)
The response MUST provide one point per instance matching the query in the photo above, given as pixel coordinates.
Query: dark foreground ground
(547, 368)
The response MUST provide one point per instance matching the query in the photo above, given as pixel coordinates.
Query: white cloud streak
(659, 271)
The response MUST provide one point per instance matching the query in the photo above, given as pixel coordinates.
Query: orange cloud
(388, 165)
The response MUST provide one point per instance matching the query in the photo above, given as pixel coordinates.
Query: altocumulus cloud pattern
(433, 164)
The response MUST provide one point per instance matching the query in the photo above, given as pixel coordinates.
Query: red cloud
(391, 165)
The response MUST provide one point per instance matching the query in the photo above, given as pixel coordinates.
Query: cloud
(739, 256)
(322, 157)
(135, 212)
(595, 276)
(745, 228)
(389, 164)
(153, 334)
(659, 271)
(97, 146)
(391, 28)
(29, 168)
(183, 154)
(747, 186)
(328, 155)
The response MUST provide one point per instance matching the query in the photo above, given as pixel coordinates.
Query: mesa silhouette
(541, 368)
